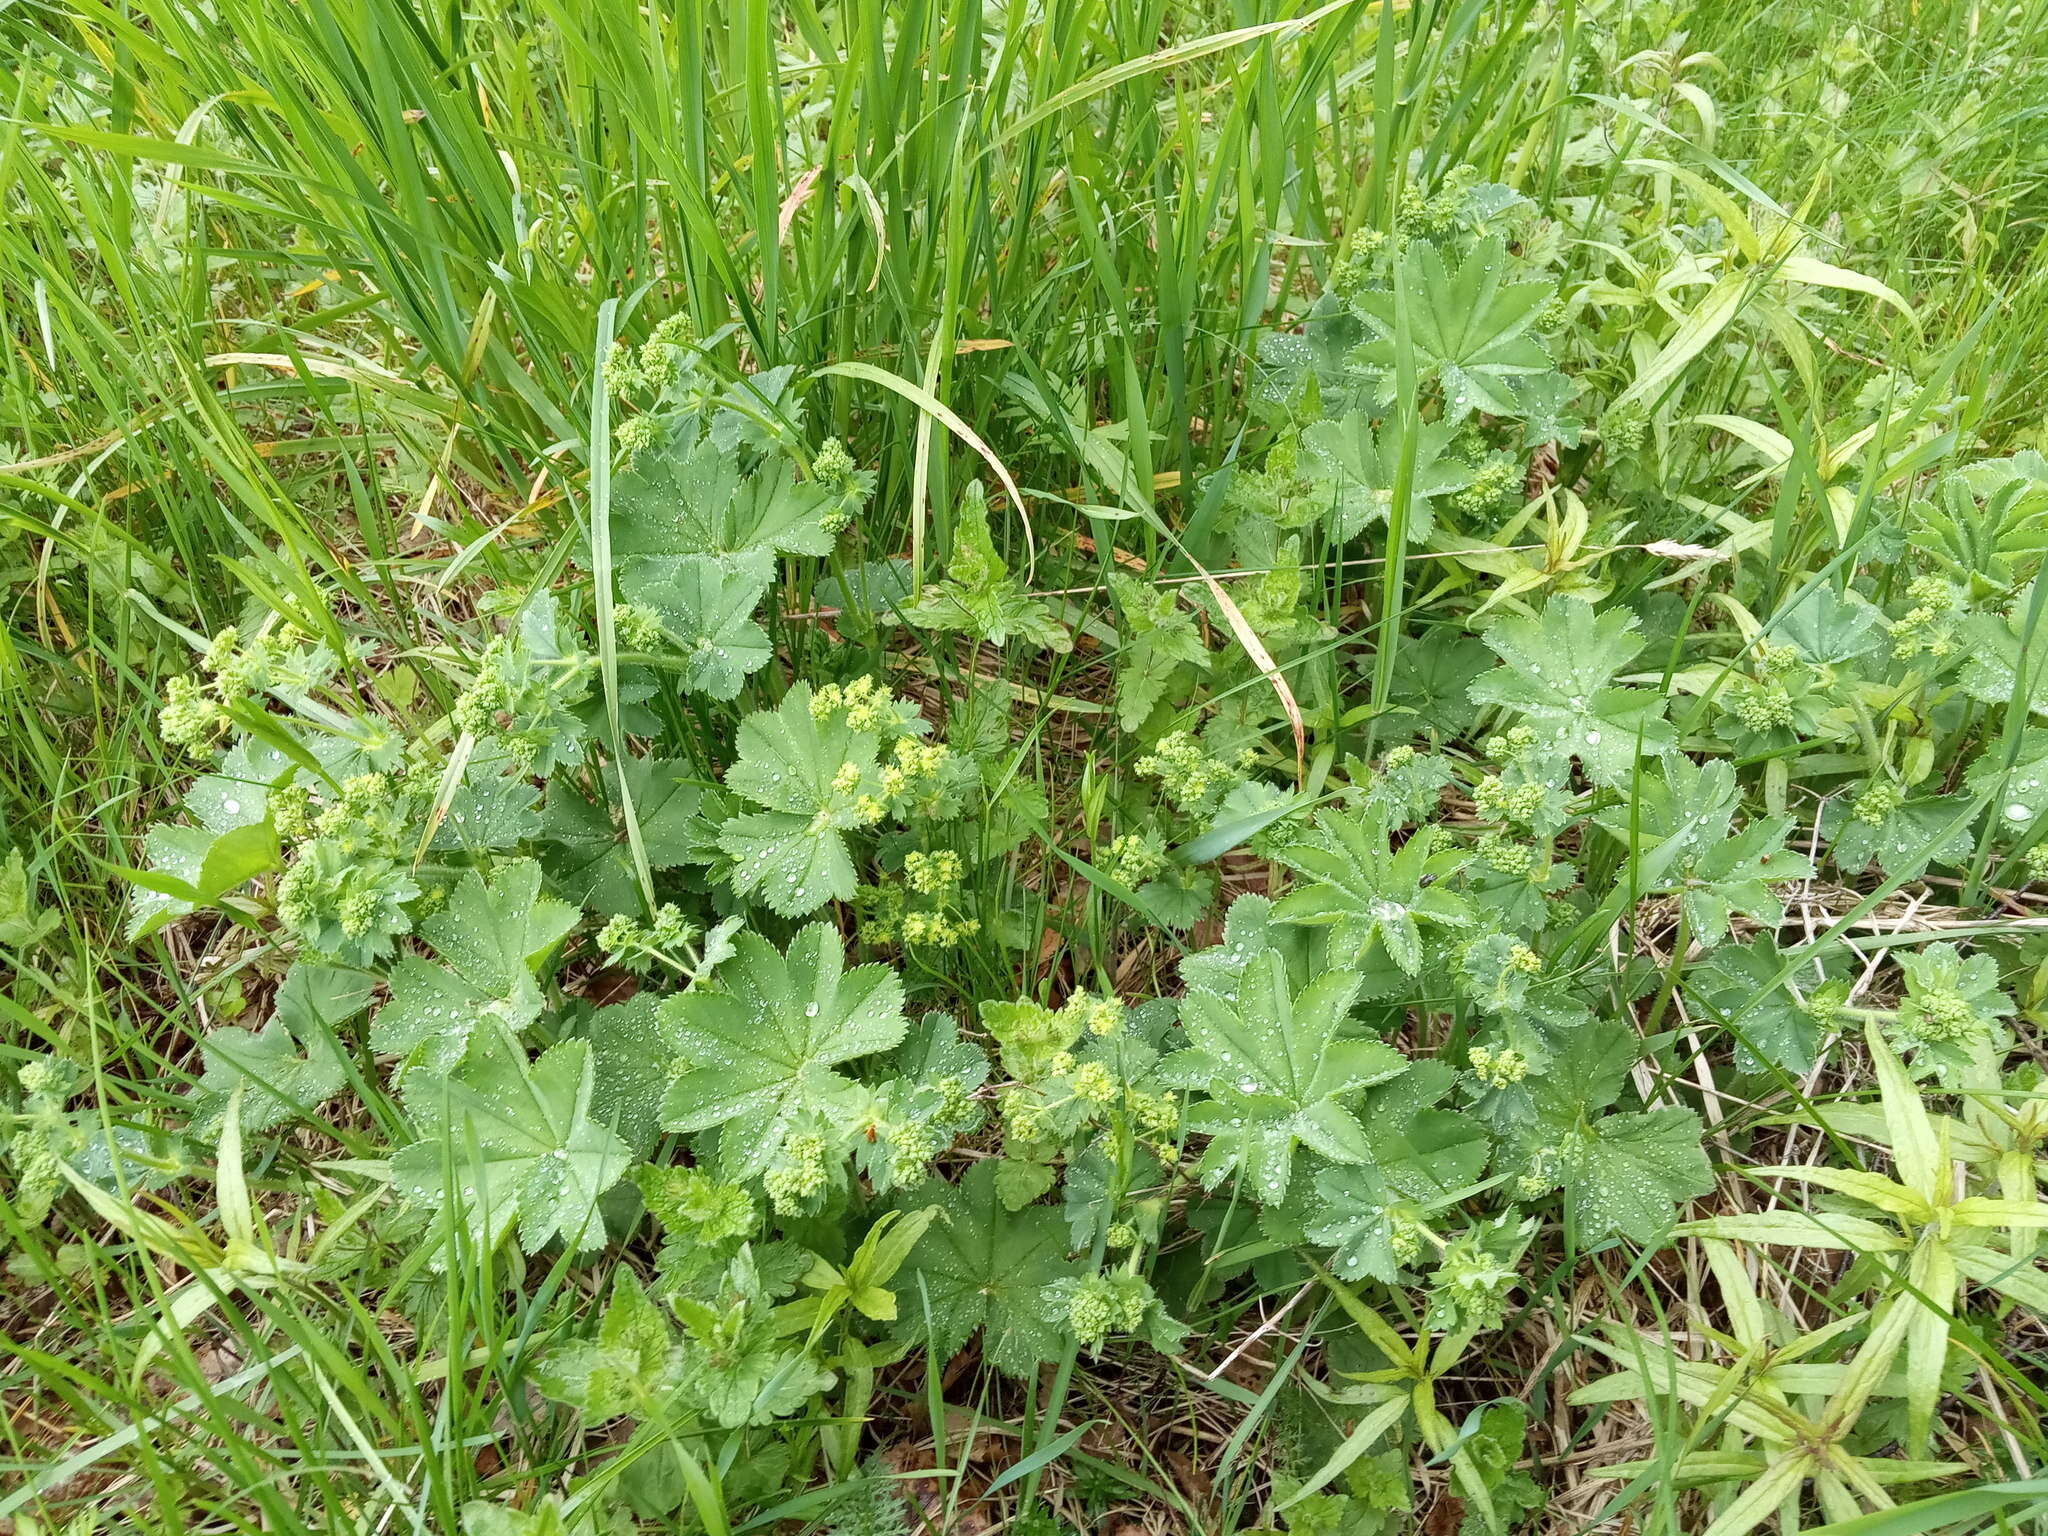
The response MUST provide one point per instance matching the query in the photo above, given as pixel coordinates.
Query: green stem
(1680, 942)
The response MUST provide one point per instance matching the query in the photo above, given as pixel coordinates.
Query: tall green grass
(302, 297)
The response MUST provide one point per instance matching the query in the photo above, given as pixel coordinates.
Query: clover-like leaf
(296, 1061)
(631, 1366)
(504, 1142)
(702, 503)
(588, 857)
(1354, 1214)
(817, 780)
(495, 806)
(1354, 472)
(981, 1266)
(632, 1046)
(1468, 325)
(1774, 1027)
(1541, 400)
(1160, 637)
(1904, 839)
(2019, 798)
(979, 596)
(1426, 1153)
(1998, 656)
(1831, 629)
(1363, 889)
(760, 1040)
(1620, 1172)
(1626, 1173)
(706, 604)
(487, 938)
(1250, 928)
(1556, 672)
(1678, 824)
(1278, 1070)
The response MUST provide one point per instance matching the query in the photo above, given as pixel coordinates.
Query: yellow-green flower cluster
(1510, 746)
(1498, 800)
(1094, 1083)
(832, 461)
(1405, 1237)
(1876, 803)
(832, 468)
(1157, 1114)
(866, 703)
(1187, 773)
(1504, 855)
(912, 1145)
(956, 1102)
(291, 811)
(1497, 1069)
(1624, 428)
(192, 715)
(1133, 858)
(886, 919)
(1472, 1282)
(1361, 262)
(236, 668)
(657, 364)
(636, 435)
(1097, 1015)
(1104, 1304)
(934, 873)
(190, 718)
(631, 944)
(1763, 707)
(1541, 1176)
(1497, 478)
(913, 766)
(939, 929)
(1943, 1016)
(639, 629)
(1929, 625)
(799, 1177)
(1023, 1114)
(1434, 216)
